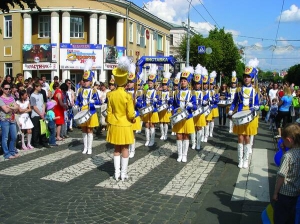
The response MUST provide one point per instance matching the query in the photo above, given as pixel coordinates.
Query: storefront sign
(40, 66)
(36, 53)
(111, 55)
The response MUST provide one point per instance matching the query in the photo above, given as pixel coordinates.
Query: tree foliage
(6, 4)
(293, 75)
(224, 58)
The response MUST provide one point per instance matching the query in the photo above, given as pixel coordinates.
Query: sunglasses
(68, 83)
(6, 88)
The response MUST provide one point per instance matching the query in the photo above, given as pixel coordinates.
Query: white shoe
(162, 137)
(193, 145)
(205, 139)
(147, 143)
(230, 131)
(165, 137)
(124, 164)
(131, 155)
(210, 135)
(245, 164)
(184, 159)
(240, 164)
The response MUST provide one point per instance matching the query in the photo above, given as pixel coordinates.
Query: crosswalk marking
(36, 163)
(253, 184)
(190, 179)
(69, 173)
(141, 167)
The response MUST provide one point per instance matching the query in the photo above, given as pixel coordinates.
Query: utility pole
(188, 38)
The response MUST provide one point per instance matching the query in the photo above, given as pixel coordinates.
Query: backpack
(296, 102)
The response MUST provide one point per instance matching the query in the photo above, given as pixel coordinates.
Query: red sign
(147, 34)
(137, 53)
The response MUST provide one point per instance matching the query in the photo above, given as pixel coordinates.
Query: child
(273, 113)
(50, 117)
(24, 119)
(288, 177)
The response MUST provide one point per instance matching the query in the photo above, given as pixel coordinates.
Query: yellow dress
(200, 121)
(164, 116)
(215, 112)
(137, 125)
(246, 129)
(120, 113)
(184, 127)
(151, 117)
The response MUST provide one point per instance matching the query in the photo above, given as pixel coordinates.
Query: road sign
(147, 34)
(201, 49)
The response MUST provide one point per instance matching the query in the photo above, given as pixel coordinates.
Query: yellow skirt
(246, 129)
(209, 117)
(164, 116)
(184, 127)
(92, 122)
(118, 135)
(151, 118)
(215, 112)
(200, 121)
(137, 125)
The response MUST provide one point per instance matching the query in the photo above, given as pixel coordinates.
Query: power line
(209, 13)
(278, 29)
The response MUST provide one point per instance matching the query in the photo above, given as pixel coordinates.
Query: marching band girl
(199, 120)
(206, 95)
(120, 116)
(137, 102)
(184, 100)
(165, 98)
(231, 92)
(86, 100)
(214, 100)
(245, 98)
(150, 98)
(175, 88)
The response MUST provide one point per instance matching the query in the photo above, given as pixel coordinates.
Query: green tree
(293, 75)
(6, 4)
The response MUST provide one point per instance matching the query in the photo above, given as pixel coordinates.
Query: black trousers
(37, 138)
(284, 116)
(285, 209)
(222, 115)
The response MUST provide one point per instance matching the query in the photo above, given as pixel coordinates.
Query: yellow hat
(121, 71)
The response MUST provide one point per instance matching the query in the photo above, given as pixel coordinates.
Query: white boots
(85, 142)
(198, 139)
(182, 148)
(206, 133)
(132, 149)
(243, 155)
(90, 137)
(166, 127)
(185, 148)
(123, 173)
(179, 150)
(152, 136)
(211, 128)
(193, 139)
(162, 131)
(147, 134)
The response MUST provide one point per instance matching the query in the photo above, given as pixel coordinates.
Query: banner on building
(111, 55)
(36, 53)
(74, 56)
(40, 66)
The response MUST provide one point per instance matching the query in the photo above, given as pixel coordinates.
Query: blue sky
(255, 25)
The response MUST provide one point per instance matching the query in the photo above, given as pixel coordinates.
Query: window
(76, 29)
(159, 42)
(131, 32)
(8, 69)
(171, 40)
(138, 33)
(7, 26)
(44, 26)
(142, 37)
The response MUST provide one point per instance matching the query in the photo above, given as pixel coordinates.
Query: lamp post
(188, 38)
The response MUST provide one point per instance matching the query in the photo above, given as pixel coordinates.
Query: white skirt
(25, 121)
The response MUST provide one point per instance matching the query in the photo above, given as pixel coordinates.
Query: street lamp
(188, 38)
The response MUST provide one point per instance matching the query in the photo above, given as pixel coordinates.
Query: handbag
(43, 126)
(292, 111)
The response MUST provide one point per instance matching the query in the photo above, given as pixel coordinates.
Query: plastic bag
(43, 126)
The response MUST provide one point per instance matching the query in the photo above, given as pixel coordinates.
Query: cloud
(290, 15)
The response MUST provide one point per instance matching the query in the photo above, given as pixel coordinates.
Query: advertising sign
(111, 55)
(36, 53)
(40, 66)
(74, 56)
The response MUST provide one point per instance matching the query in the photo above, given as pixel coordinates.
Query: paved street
(60, 185)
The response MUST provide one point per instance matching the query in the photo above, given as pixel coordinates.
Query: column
(102, 40)
(120, 32)
(66, 22)
(150, 44)
(166, 52)
(55, 40)
(27, 33)
(93, 34)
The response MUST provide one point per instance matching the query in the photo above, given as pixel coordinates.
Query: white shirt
(46, 87)
(273, 94)
(102, 95)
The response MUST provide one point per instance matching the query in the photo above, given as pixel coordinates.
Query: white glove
(169, 110)
(189, 104)
(256, 108)
(154, 100)
(92, 101)
(230, 112)
(210, 98)
(204, 102)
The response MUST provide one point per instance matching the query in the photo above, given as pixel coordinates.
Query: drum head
(80, 114)
(241, 113)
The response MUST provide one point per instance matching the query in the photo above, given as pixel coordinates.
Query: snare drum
(162, 107)
(197, 112)
(104, 113)
(179, 116)
(75, 110)
(206, 110)
(243, 117)
(222, 103)
(82, 116)
(228, 102)
(146, 110)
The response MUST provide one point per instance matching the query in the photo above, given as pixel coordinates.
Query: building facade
(58, 40)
